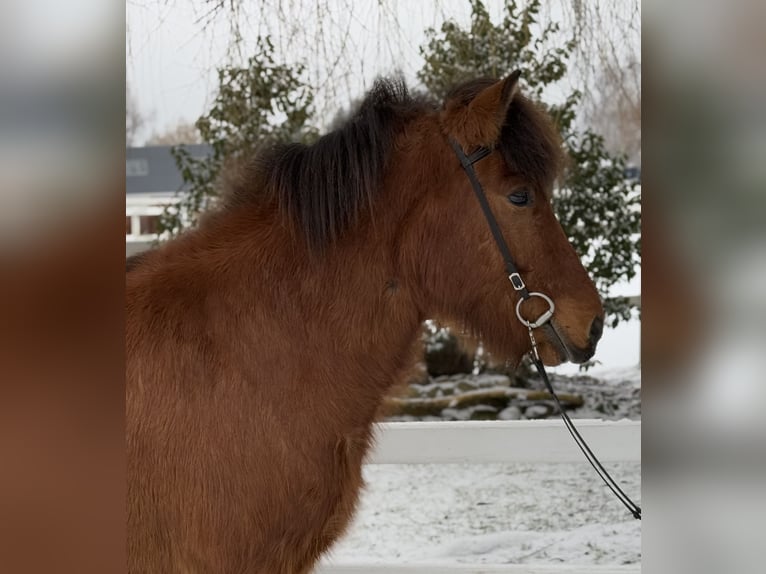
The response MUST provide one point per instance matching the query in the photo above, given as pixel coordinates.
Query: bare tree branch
(134, 120)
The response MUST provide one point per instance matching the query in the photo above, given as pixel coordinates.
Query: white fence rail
(480, 442)
(504, 441)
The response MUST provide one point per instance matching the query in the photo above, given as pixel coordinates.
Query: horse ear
(490, 106)
(479, 123)
(492, 102)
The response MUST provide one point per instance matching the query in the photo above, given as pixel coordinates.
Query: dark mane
(326, 185)
(529, 141)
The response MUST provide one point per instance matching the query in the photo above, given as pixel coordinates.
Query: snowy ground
(504, 513)
(493, 514)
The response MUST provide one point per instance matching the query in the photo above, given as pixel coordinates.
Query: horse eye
(519, 198)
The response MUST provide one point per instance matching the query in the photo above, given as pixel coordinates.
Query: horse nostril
(596, 329)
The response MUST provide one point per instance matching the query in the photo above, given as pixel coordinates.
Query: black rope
(467, 162)
(632, 507)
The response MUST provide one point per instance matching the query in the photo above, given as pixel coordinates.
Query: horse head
(459, 267)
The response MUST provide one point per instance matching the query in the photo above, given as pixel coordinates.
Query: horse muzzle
(563, 345)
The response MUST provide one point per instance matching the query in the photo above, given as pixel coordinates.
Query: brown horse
(261, 344)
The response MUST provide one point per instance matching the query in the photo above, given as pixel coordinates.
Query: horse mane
(529, 140)
(323, 187)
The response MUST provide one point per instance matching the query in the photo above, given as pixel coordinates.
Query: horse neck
(342, 320)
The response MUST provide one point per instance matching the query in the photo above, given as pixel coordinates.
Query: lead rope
(632, 507)
(524, 294)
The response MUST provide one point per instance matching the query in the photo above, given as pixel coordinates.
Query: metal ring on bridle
(542, 319)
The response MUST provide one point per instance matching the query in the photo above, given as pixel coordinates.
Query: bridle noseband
(520, 287)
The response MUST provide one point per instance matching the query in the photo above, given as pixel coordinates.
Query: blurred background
(696, 171)
(704, 280)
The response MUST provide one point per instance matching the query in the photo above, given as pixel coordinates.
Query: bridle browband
(519, 286)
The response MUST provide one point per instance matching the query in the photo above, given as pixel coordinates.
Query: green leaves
(453, 54)
(262, 101)
(600, 212)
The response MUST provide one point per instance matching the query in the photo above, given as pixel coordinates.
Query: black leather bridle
(520, 287)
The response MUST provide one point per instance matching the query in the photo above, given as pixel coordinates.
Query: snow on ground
(493, 514)
(505, 513)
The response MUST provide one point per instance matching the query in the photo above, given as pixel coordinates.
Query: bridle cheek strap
(514, 277)
(467, 162)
